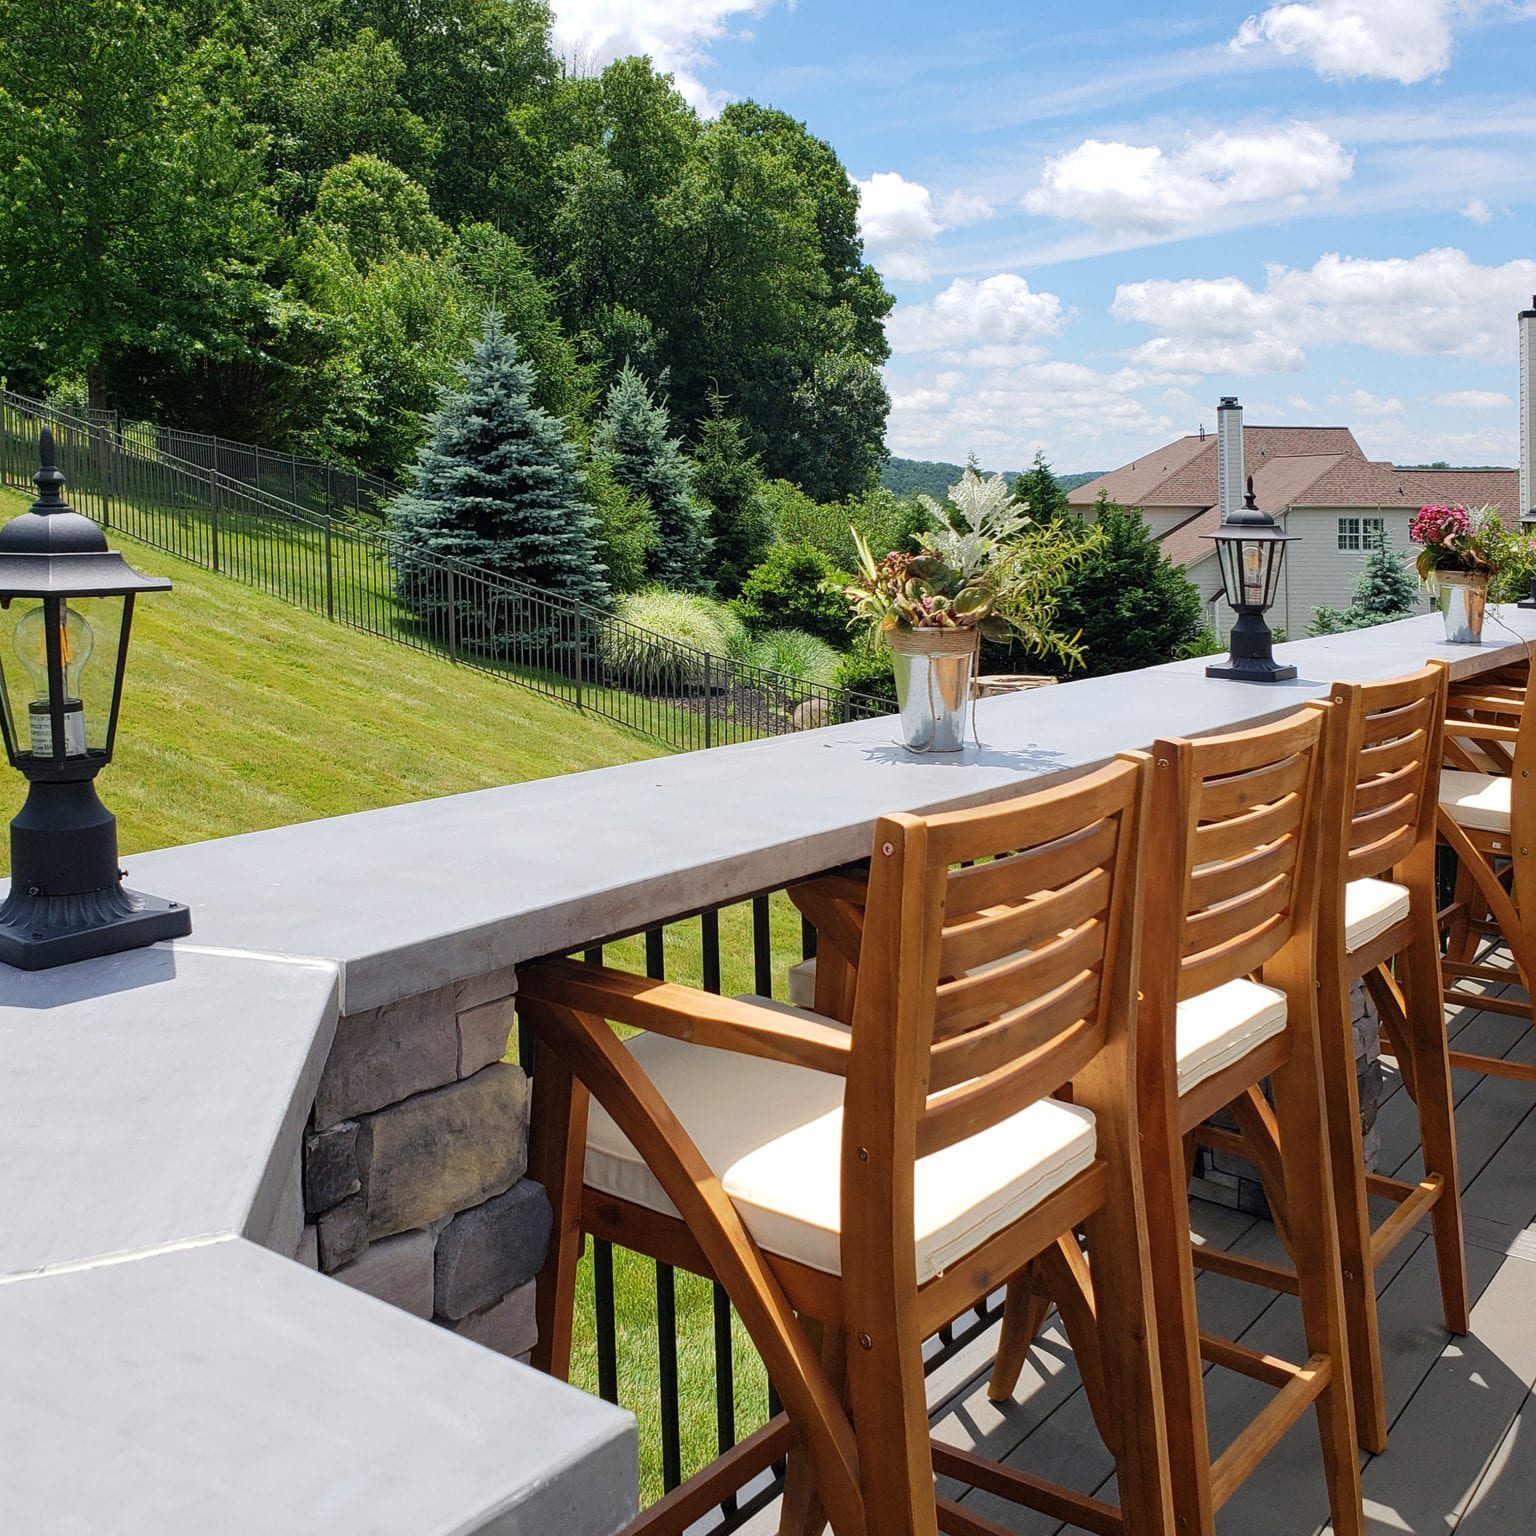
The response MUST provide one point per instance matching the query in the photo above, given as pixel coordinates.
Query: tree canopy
(285, 219)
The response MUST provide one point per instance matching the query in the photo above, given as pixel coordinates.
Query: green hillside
(242, 713)
(906, 477)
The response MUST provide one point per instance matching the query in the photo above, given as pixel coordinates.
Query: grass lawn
(241, 712)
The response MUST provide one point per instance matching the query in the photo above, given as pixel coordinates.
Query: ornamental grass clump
(987, 566)
(1474, 543)
(663, 639)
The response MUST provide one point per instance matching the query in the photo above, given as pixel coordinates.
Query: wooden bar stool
(1377, 903)
(853, 1190)
(1235, 819)
(1487, 817)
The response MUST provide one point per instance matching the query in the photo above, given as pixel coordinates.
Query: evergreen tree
(1383, 591)
(1134, 608)
(1039, 490)
(727, 476)
(496, 484)
(632, 435)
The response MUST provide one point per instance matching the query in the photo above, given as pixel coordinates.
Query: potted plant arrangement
(983, 569)
(1462, 551)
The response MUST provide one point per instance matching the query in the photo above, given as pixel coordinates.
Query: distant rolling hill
(906, 477)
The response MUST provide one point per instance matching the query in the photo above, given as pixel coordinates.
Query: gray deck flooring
(1462, 1454)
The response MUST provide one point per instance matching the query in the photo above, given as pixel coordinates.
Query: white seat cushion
(1220, 1027)
(1478, 800)
(773, 1135)
(1370, 908)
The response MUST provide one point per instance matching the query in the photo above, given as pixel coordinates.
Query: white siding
(1320, 574)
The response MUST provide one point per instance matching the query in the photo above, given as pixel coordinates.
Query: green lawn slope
(241, 713)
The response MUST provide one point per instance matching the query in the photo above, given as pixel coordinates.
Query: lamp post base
(39, 932)
(1242, 669)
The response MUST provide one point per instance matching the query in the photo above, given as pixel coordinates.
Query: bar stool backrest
(1382, 762)
(987, 979)
(1232, 852)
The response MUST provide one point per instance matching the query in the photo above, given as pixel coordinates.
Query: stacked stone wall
(412, 1171)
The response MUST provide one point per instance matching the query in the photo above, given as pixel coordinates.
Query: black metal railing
(370, 579)
(710, 1392)
(315, 485)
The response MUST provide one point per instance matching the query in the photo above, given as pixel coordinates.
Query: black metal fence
(367, 578)
(710, 1389)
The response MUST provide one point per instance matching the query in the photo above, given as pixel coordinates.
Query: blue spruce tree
(632, 436)
(496, 484)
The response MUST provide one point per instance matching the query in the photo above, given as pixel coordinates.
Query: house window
(1359, 532)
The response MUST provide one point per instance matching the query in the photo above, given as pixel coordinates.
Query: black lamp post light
(1251, 547)
(66, 605)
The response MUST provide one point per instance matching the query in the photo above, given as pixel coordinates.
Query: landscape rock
(490, 1250)
(508, 1326)
(446, 1150)
(483, 1034)
(397, 1270)
(386, 1054)
(342, 1233)
(331, 1168)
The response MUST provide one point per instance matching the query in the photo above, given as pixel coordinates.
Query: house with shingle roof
(1315, 481)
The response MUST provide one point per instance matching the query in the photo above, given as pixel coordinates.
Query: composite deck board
(1462, 1456)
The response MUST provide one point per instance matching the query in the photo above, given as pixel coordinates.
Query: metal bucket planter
(934, 669)
(1463, 597)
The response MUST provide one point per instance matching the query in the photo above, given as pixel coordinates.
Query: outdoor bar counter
(164, 1372)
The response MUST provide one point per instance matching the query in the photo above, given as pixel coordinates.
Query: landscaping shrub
(868, 672)
(789, 591)
(697, 624)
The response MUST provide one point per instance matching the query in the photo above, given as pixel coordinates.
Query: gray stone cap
(219, 1387)
(418, 895)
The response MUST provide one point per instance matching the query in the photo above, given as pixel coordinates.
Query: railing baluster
(605, 1320)
(666, 1345)
(762, 948)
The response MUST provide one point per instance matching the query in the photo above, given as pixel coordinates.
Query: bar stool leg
(557, 1144)
(1357, 1271)
(1024, 1310)
(1305, 1156)
(1425, 1039)
(1178, 1328)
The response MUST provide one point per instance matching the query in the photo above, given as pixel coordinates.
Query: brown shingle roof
(1184, 473)
(1371, 484)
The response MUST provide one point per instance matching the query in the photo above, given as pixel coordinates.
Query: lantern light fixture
(66, 608)
(1251, 547)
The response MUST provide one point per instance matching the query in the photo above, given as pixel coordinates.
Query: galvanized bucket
(934, 669)
(1462, 597)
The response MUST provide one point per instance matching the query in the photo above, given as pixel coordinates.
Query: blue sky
(1098, 219)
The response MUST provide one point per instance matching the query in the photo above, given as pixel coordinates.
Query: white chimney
(1528, 412)
(1229, 455)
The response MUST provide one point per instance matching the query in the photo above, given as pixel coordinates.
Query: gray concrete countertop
(153, 1097)
(220, 1388)
(418, 895)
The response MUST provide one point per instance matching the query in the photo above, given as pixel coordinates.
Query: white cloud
(897, 221)
(1210, 326)
(961, 208)
(1122, 188)
(1361, 402)
(1003, 414)
(676, 34)
(1402, 40)
(1440, 303)
(1478, 211)
(1473, 400)
(989, 323)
